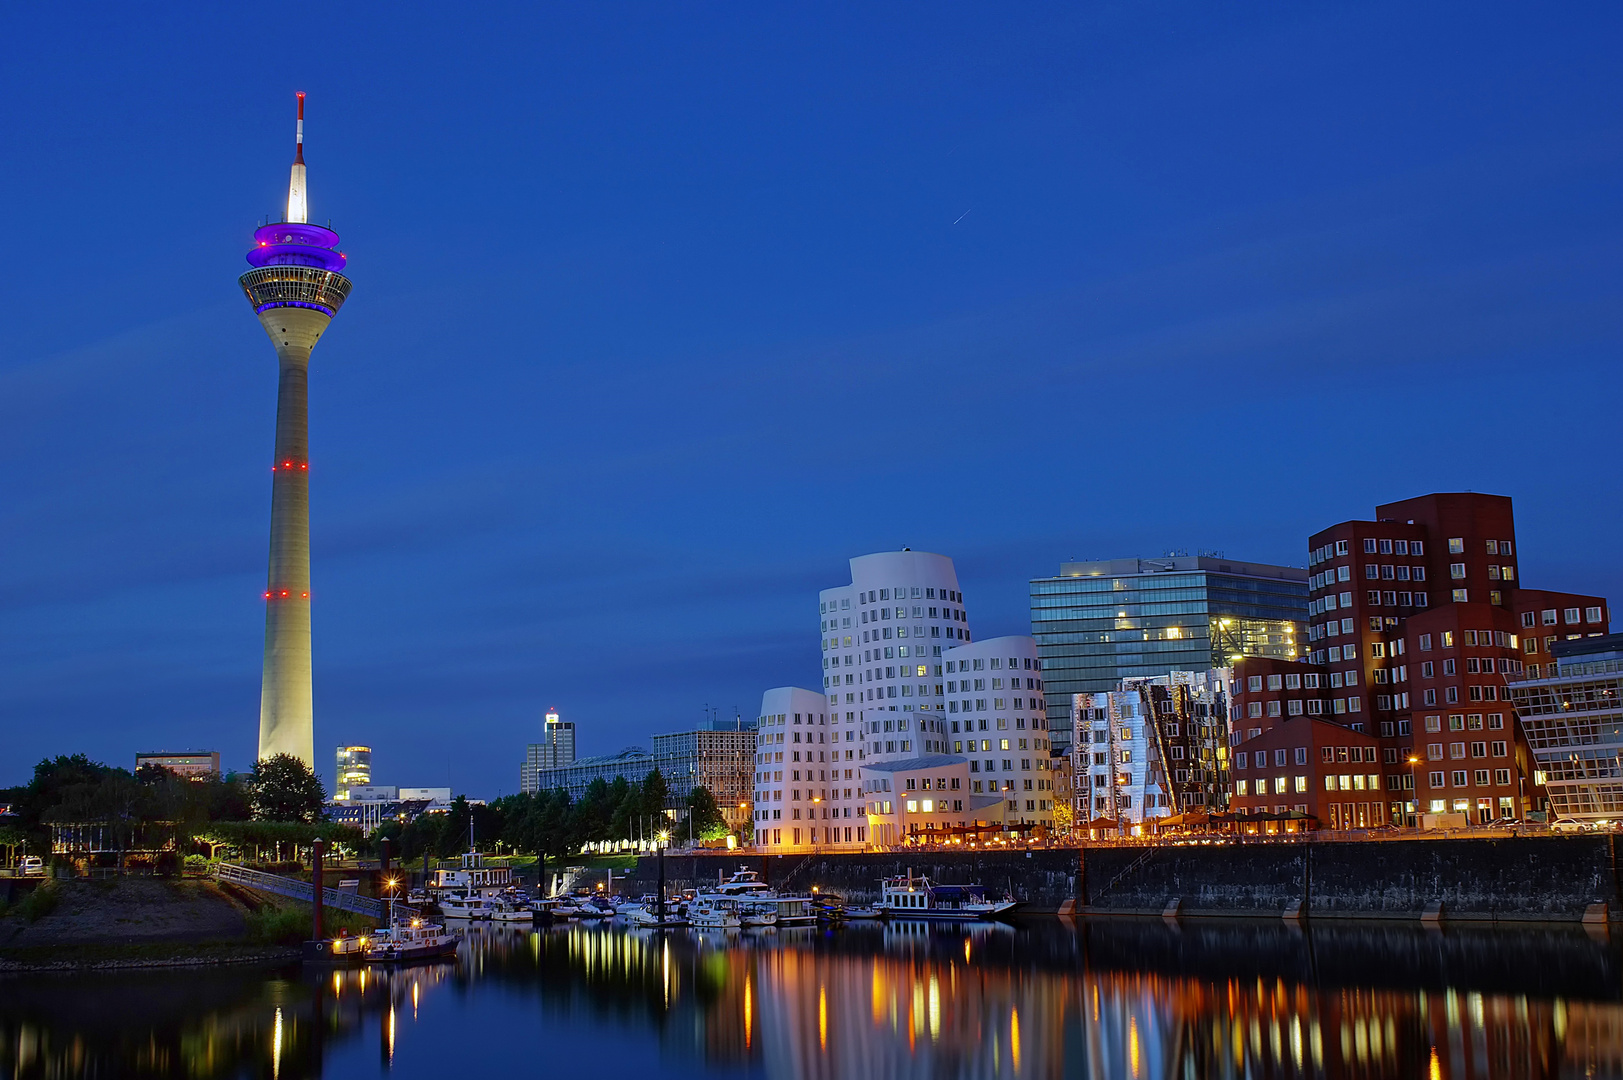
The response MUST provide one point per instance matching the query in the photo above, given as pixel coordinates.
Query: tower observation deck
(296, 286)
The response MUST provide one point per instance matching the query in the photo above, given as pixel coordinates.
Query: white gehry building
(887, 722)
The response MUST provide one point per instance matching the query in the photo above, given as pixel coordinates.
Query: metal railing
(294, 889)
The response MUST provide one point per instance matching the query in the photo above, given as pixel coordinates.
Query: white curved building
(997, 718)
(883, 636)
(807, 788)
(895, 746)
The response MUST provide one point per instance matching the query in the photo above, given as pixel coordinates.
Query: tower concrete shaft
(295, 289)
(286, 704)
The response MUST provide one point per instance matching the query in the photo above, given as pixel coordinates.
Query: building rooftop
(1589, 646)
(1172, 564)
(630, 753)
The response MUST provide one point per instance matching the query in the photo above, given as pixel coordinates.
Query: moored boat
(912, 897)
(410, 939)
(707, 914)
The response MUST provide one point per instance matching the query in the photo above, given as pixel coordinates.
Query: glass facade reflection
(1098, 623)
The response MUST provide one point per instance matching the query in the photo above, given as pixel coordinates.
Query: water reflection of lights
(276, 1039)
(864, 1002)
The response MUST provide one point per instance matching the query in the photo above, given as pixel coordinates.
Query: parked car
(1569, 825)
(31, 866)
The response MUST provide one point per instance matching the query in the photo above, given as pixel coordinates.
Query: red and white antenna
(298, 207)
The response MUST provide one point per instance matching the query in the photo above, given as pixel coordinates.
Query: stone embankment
(1509, 879)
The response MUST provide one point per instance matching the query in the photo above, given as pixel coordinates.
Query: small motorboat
(751, 914)
(465, 906)
(708, 915)
(409, 939)
(863, 911)
(510, 910)
(648, 917)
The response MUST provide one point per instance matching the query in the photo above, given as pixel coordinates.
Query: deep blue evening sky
(662, 313)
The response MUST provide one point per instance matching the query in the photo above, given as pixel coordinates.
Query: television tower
(296, 287)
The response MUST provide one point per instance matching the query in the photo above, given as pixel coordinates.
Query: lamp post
(659, 848)
(1414, 789)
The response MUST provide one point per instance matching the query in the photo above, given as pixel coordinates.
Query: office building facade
(634, 763)
(1571, 710)
(1097, 623)
(1153, 748)
(352, 768)
(719, 757)
(1417, 625)
(556, 750)
(187, 763)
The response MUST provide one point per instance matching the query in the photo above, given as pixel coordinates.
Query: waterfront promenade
(1486, 878)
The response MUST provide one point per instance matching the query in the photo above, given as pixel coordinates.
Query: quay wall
(1554, 878)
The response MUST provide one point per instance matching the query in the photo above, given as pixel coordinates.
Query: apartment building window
(1460, 776)
(1501, 777)
(1456, 545)
(1499, 749)
(1435, 779)
(1592, 615)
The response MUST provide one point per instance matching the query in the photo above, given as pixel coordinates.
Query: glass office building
(1097, 623)
(353, 769)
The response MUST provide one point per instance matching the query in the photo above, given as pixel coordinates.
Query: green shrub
(291, 925)
(39, 903)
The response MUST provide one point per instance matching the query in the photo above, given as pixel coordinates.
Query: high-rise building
(296, 287)
(889, 640)
(353, 769)
(1571, 708)
(1417, 624)
(718, 756)
(556, 750)
(1098, 623)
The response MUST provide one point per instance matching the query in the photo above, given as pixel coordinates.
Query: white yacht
(465, 906)
(746, 889)
(710, 914)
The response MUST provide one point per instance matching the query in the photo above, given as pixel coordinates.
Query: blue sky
(662, 313)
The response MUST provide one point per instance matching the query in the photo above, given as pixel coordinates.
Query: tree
(655, 794)
(285, 789)
(1064, 815)
(115, 800)
(704, 816)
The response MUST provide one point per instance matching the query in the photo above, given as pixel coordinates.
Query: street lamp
(659, 848)
(1414, 788)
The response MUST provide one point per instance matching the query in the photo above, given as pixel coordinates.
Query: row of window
(1434, 751)
(1372, 546)
(874, 596)
(1570, 615)
(901, 613)
(775, 836)
(1478, 778)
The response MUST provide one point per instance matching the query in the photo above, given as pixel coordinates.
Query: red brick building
(1312, 766)
(1384, 597)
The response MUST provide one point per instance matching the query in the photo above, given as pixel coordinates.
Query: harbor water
(1041, 997)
